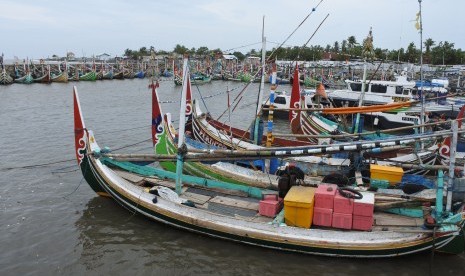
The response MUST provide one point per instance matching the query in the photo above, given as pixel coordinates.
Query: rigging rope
(305, 19)
(239, 96)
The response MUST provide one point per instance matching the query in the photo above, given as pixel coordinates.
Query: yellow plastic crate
(388, 173)
(298, 206)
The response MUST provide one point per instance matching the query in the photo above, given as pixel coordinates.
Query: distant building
(229, 57)
(70, 56)
(329, 56)
(103, 56)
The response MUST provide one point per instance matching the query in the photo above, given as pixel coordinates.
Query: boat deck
(238, 205)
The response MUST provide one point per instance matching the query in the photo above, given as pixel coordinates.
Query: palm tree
(351, 42)
(411, 52)
(428, 44)
(344, 46)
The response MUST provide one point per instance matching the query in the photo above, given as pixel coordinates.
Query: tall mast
(367, 53)
(257, 139)
(269, 136)
(182, 126)
(422, 116)
(262, 83)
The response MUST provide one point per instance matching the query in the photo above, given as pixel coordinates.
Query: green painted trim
(166, 145)
(409, 212)
(150, 171)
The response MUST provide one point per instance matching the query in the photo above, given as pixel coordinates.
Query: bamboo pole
(402, 140)
(223, 157)
(364, 133)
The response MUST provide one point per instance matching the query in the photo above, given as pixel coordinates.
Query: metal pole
(453, 149)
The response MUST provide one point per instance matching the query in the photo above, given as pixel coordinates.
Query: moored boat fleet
(61, 72)
(324, 188)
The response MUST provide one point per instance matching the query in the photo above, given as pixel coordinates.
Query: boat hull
(99, 181)
(90, 76)
(5, 78)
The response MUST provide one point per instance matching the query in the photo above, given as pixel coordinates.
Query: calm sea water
(52, 223)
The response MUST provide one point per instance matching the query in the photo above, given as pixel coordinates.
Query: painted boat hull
(90, 76)
(62, 77)
(26, 79)
(5, 78)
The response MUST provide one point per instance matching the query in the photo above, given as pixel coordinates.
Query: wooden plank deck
(196, 198)
(243, 204)
(385, 219)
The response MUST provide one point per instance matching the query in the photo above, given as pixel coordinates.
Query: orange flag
(320, 91)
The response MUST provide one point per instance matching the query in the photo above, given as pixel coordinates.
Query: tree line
(436, 53)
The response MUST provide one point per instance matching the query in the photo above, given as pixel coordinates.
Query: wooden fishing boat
(99, 75)
(163, 138)
(26, 79)
(197, 79)
(5, 78)
(128, 74)
(74, 74)
(313, 123)
(45, 78)
(118, 75)
(108, 75)
(139, 75)
(218, 213)
(200, 78)
(61, 77)
(89, 76)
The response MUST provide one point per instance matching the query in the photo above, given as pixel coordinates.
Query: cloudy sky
(41, 28)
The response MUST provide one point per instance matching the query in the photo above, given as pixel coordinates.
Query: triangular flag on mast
(418, 21)
(320, 91)
(295, 95)
(157, 118)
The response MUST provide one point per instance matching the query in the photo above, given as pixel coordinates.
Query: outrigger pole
(282, 152)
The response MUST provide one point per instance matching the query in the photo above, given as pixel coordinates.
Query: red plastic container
(364, 206)
(269, 207)
(343, 221)
(343, 205)
(324, 196)
(322, 216)
(270, 197)
(362, 223)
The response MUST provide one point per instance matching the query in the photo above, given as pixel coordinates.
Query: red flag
(295, 94)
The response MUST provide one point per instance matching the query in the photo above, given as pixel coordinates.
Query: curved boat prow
(80, 137)
(83, 140)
